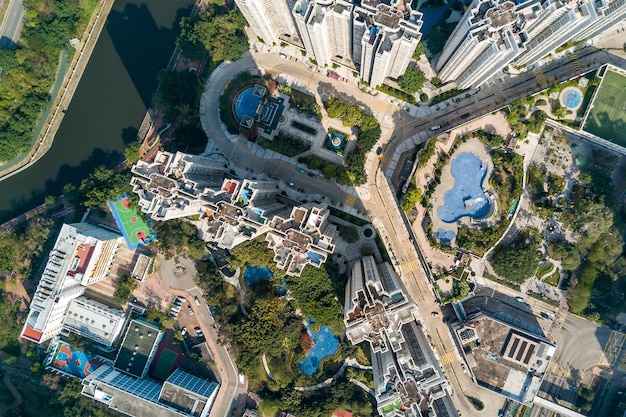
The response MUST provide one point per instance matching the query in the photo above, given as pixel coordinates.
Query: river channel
(108, 105)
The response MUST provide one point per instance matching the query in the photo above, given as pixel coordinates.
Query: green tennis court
(135, 230)
(607, 116)
(165, 364)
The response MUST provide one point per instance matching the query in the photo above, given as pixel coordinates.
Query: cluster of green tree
(438, 36)
(126, 284)
(329, 170)
(20, 250)
(419, 51)
(348, 233)
(427, 152)
(354, 116)
(544, 187)
(446, 95)
(179, 236)
(218, 29)
(271, 328)
(28, 71)
(517, 260)
(412, 196)
(536, 120)
(412, 80)
(340, 394)
(315, 297)
(12, 319)
(516, 112)
(284, 144)
(176, 93)
(98, 188)
(301, 101)
(460, 290)
(69, 402)
(490, 140)
(393, 92)
(253, 253)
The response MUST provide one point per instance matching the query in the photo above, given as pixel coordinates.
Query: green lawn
(607, 118)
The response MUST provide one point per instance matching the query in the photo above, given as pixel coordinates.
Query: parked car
(300, 170)
(195, 298)
(434, 314)
(283, 56)
(435, 127)
(312, 175)
(333, 75)
(545, 315)
(183, 331)
(190, 311)
(291, 184)
(520, 299)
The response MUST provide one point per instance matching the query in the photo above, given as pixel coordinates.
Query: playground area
(74, 362)
(135, 230)
(165, 362)
(607, 112)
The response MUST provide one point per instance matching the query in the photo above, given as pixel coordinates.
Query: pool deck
(447, 180)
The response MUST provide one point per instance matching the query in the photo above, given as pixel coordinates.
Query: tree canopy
(517, 260)
(412, 80)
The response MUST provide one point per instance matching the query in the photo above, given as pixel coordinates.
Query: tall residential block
(483, 42)
(377, 38)
(271, 20)
(495, 33)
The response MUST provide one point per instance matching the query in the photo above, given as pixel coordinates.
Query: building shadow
(148, 47)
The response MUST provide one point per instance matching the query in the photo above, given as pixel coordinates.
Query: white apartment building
(231, 211)
(549, 24)
(270, 19)
(495, 33)
(82, 255)
(407, 375)
(390, 37)
(483, 42)
(94, 320)
(325, 28)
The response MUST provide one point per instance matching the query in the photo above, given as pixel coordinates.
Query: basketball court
(74, 362)
(135, 230)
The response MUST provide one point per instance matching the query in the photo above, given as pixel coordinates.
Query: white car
(435, 127)
(196, 300)
(190, 311)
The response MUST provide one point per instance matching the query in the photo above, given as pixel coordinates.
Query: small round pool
(247, 103)
(571, 97)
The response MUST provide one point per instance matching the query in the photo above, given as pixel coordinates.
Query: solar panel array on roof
(192, 383)
(143, 388)
(520, 349)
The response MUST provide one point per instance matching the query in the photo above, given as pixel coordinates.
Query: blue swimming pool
(247, 103)
(254, 274)
(314, 257)
(466, 198)
(325, 344)
(444, 235)
(571, 97)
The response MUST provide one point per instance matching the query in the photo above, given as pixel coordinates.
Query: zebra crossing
(577, 65)
(540, 77)
(350, 200)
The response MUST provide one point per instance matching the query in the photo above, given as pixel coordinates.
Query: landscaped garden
(300, 348)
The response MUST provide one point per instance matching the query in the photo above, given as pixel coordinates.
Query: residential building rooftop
(503, 358)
